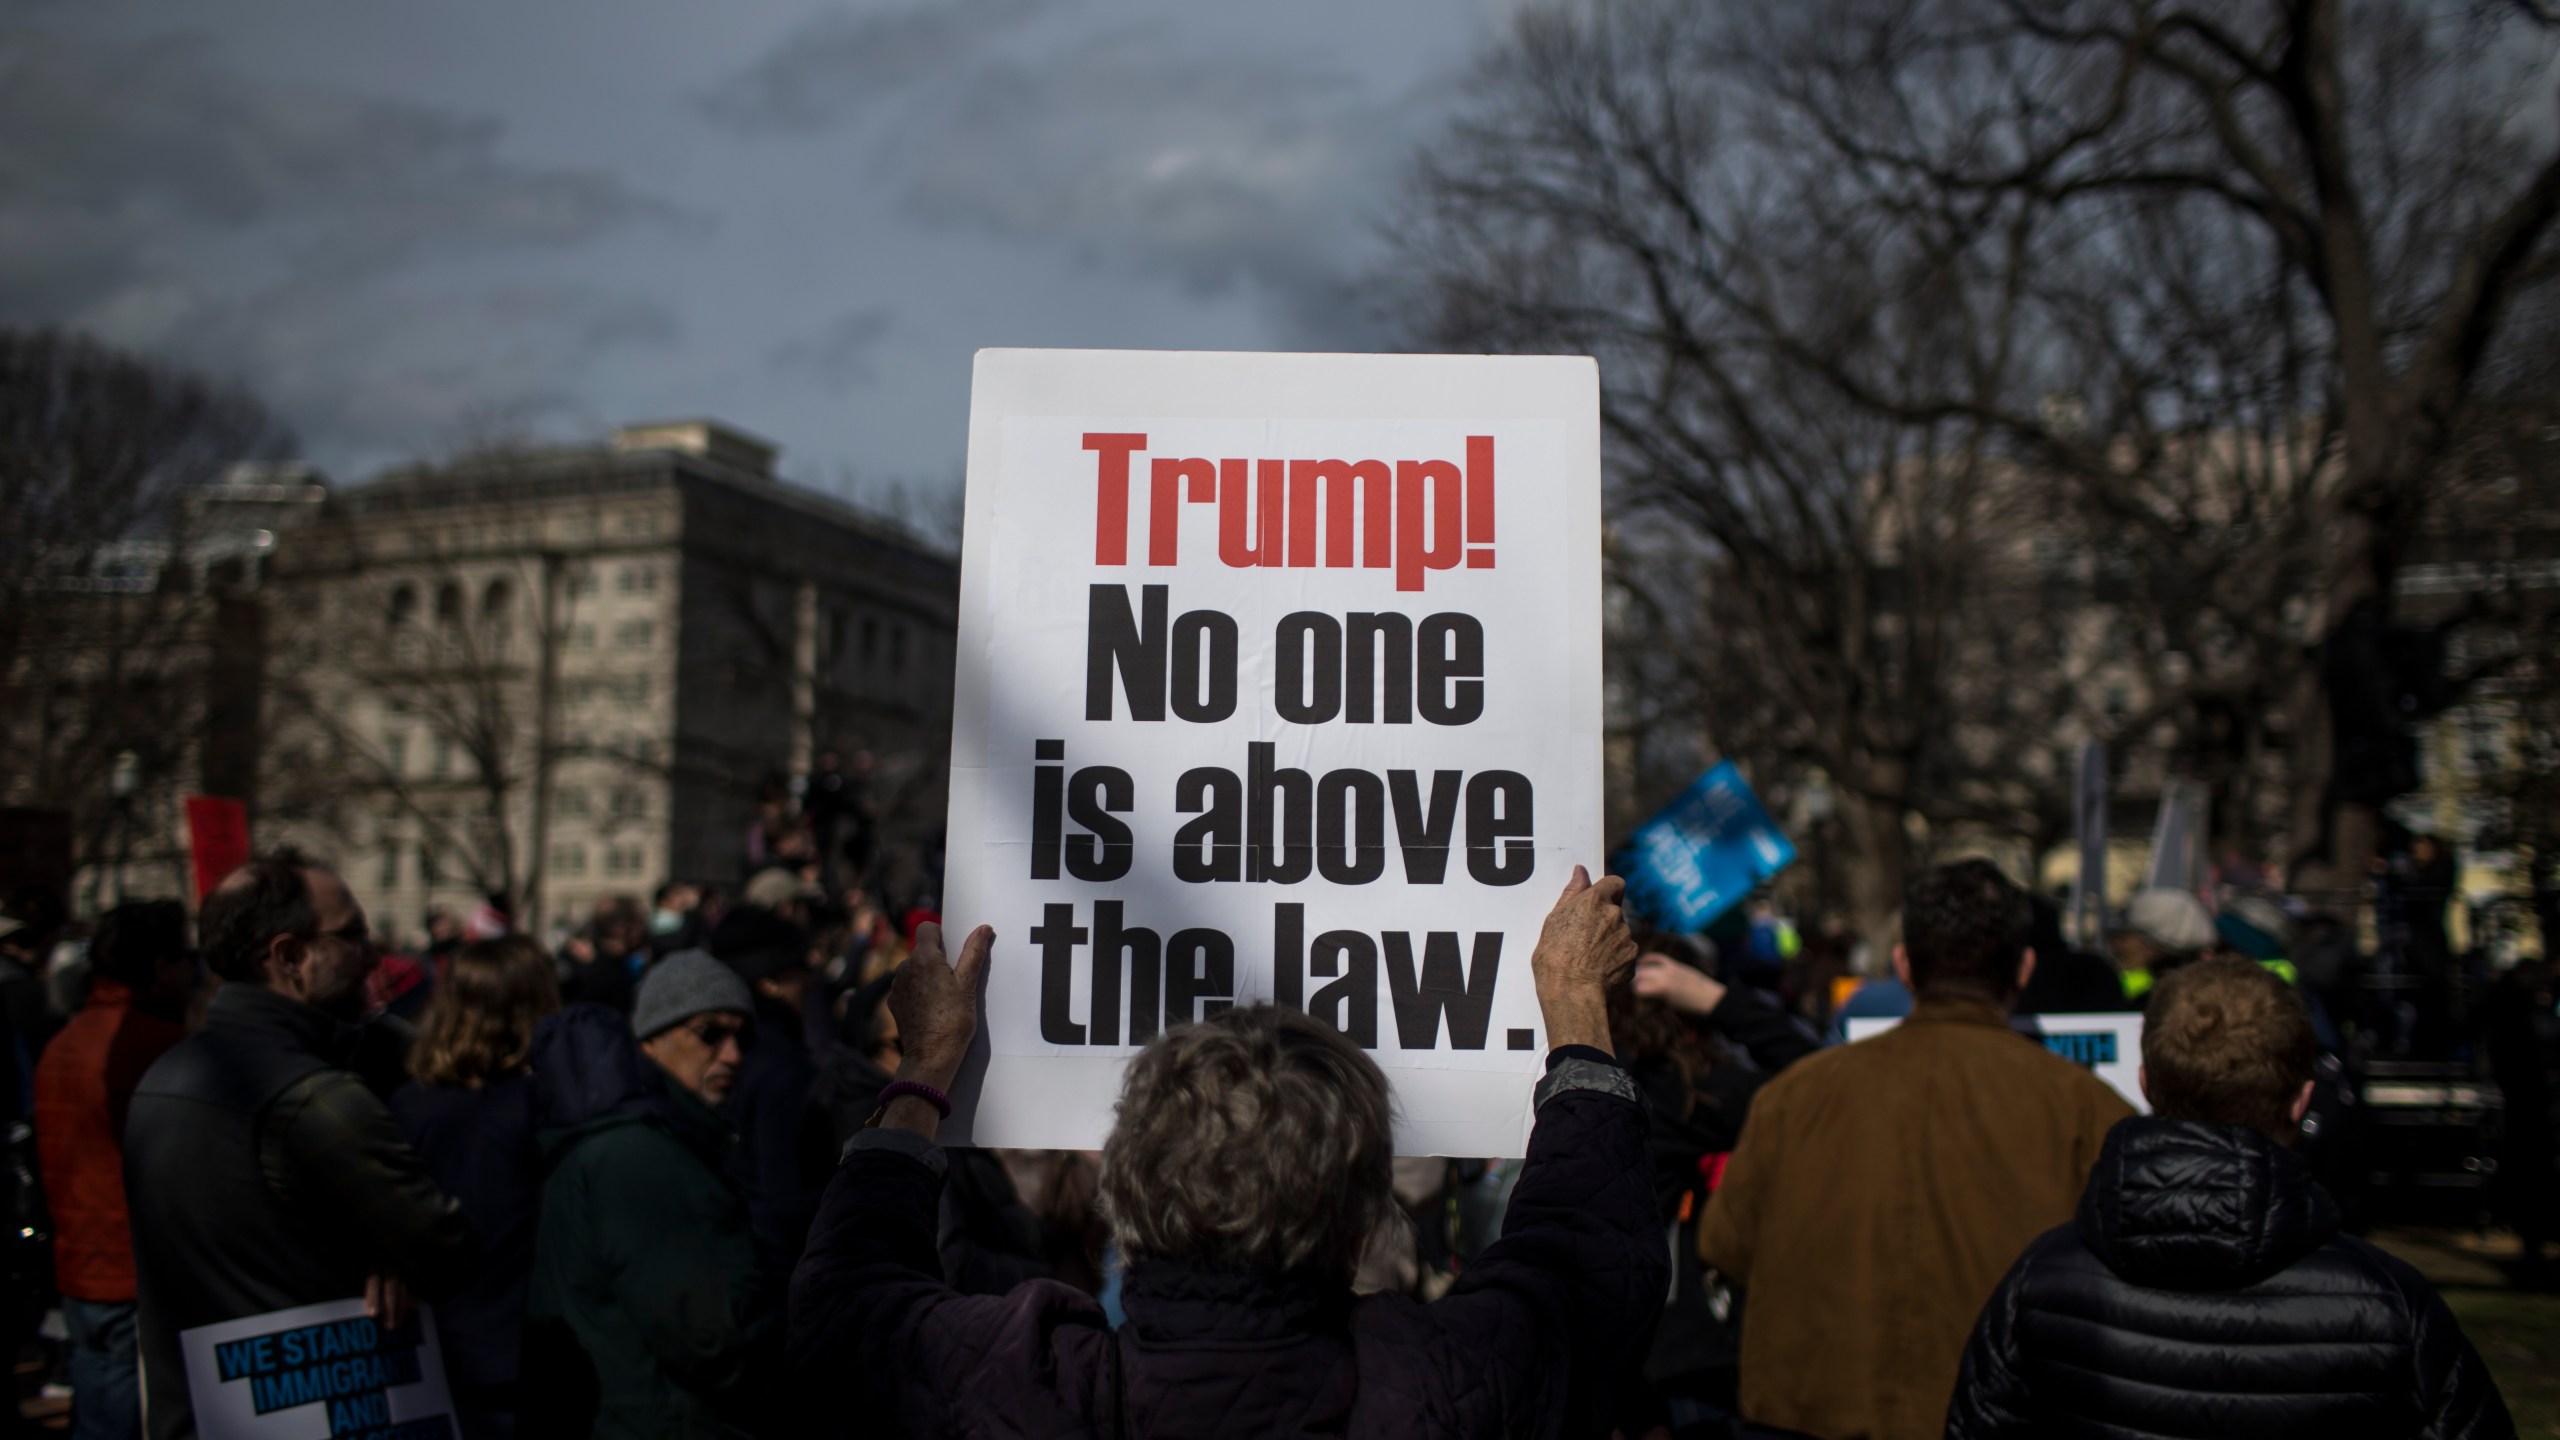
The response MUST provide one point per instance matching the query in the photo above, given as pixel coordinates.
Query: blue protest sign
(1702, 853)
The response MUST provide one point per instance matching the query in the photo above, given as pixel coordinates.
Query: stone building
(572, 673)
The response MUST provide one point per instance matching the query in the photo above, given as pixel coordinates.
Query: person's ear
(1902, 966)
(283, 963)
(2026, 968)
(2302, 1102)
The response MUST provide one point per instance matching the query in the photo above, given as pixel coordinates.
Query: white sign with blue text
(317, 1372)
(2107, 1046)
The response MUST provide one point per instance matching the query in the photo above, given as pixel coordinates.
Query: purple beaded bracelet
(918, 1089)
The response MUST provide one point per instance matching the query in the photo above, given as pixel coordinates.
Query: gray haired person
(1249, 1165)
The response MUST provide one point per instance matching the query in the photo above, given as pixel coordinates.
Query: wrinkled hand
(936, 1004)
(1684, 988)
(1582, 951)
(386, 1301)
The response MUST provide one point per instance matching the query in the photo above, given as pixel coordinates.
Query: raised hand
(936, 1004)
(1583, 949)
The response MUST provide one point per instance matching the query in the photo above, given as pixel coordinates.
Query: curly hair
(1258, 1139)
(479, 1026)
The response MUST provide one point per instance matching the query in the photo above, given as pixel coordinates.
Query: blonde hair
(1258, 1139)
(479, 1026)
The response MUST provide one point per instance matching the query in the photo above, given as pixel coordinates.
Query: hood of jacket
(588, 1074)
(2181, 1205)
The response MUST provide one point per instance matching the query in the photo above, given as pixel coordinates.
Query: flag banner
(1700, 855)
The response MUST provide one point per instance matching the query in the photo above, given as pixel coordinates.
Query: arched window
(449, 604)
(495, 600)
(404, 605)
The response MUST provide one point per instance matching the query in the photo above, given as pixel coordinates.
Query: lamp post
(123, 779)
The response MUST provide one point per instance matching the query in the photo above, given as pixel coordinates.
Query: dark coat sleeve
(1757, 1025)
(881, 1346)
(2455, 1392)
(332, 1151)
(685, 1271)
(1564, 1302)
(776, 1119)
(1991, 1401)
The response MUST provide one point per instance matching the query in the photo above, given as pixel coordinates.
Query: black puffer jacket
(2205, 1290)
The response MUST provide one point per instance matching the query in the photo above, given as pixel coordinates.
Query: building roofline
(567, 472)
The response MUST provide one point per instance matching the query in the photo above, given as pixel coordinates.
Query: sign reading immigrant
(1279, 680)
(319, 1372)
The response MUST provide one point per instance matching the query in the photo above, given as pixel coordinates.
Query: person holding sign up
(1246, 1173)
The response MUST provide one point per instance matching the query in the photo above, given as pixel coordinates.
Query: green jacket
(648, 1317)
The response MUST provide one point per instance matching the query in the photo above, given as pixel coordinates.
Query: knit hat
(685, 984)
(2171, 919)
(2256, 927)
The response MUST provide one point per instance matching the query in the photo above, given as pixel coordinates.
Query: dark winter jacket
(262, 1175)
(1531, 1342)
(2205, 1290)
(479, 1146)
(785, 1148)
(648, 1314)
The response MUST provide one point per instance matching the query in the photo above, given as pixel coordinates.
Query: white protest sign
(318, 1372)
(2107, 1046)
(1279, 679)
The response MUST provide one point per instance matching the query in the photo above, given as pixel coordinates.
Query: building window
(427, 875)
(395, 754)
(628, 804)
(624, 860)
(582, 637)
(449, 604)
(637, 579)
(569, 802)
(635, 634)
(582, 583)
(390, 876)
(442, 769)
(569, 859)
(404, 605)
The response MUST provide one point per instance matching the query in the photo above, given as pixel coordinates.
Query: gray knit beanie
(685, 984)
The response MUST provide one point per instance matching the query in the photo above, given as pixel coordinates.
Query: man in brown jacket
(1882, 1189)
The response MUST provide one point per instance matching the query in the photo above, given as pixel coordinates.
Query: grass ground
(2517, 1332)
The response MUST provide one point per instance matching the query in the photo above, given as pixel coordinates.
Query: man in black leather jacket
(261, 1174)
(2205, 1288)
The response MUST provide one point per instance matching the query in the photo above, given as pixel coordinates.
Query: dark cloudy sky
(409, 226)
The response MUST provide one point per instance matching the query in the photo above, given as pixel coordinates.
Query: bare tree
(108, 589)
(414, 698)
(1963, 359)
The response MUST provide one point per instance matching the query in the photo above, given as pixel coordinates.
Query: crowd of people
(677, 1176)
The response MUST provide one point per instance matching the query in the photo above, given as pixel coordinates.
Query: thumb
(928, 943)
(975, 953)
(1580, 882)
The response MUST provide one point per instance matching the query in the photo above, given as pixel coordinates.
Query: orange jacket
(84, 1084)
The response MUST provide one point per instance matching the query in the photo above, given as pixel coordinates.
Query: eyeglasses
(716, 1033)
(355, 933)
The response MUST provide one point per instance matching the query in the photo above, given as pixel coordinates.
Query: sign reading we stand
(1279, 680)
